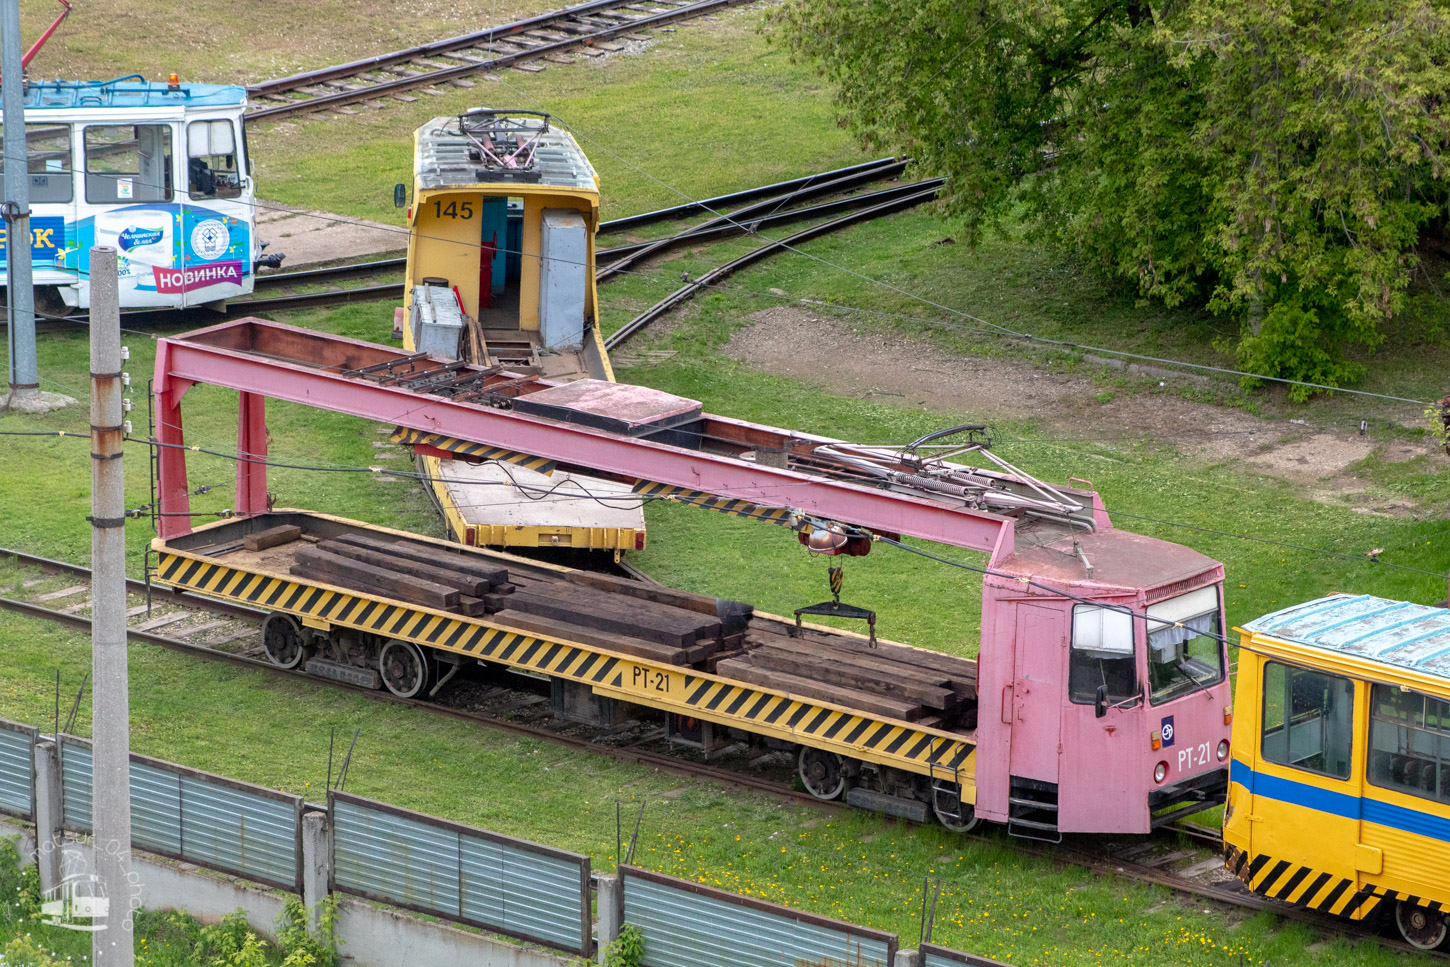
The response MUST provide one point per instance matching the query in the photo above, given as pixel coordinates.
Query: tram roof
(1414, 637)
(128, 92)
(443, 161)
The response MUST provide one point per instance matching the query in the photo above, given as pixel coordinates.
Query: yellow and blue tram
(1339, 789)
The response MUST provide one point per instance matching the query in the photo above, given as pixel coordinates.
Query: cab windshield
(1185, 653)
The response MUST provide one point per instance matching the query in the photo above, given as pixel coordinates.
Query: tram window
(1101, 654)
(211, 162)
(1184, 653)
(1409, 743)
(1308, 719)
(127, 163)
(47, 147)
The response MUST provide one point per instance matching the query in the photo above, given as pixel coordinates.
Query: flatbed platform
(356, 588)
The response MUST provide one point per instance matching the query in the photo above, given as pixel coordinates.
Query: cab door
(1041, 637)
(215, 244)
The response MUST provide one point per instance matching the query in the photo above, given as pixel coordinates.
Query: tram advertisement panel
(47, 238)
(170, 254)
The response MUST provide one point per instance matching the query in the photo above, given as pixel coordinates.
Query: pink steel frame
(203, 357)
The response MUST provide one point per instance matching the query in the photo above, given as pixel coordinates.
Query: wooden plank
(271, 537)
(657, 593)
(624, 644)
(741, 670)
(643, 625)
(963, 671)
(470, 584)
(827, 649)
(690, 625)
(429, 554)
(860, 677)
(349, 573)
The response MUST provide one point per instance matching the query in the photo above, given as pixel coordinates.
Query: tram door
(1036, 691)
(217, 247)
(1101, 752)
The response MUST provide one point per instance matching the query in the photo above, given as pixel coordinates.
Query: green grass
(227, 43)
(702, 111)
(702, 95)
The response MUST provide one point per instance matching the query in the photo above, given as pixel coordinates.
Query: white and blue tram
(159, 170)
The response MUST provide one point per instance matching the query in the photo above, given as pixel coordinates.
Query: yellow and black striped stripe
(1302, 885)
(699, 498)
(748, 706)
(743, 706)
(407, 437)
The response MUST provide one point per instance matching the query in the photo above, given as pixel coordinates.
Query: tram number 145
(1193, 756)
(454, 209)
(649, 680)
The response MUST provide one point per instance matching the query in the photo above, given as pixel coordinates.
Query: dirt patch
(834, 355)
(312, 238)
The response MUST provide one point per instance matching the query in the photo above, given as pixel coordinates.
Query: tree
(1269, 159)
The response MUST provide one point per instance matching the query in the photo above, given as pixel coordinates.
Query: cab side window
(1101, 655)
(1409, 743)
(211, 160)
(127, 163)
(1308, 719)
(47, 148)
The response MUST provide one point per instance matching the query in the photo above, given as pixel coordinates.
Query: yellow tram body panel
(1321, 809)
(768, 712)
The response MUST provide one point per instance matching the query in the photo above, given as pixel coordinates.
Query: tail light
(1160, 772)
(639, 540)
(470, 536)
(1222, 749)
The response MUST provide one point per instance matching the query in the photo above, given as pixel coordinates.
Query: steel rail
(687, 291)
(658, 760)
(433, 48)
(374, 91)
(748, 194)
(1081, 855)
(741, 217)
(639, 249)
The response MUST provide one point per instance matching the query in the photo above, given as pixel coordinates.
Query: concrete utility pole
(24, 375)
(111, 714)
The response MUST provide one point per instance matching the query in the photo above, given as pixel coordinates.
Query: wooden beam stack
(905, 683)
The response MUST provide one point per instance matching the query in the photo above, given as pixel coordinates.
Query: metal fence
(933, 956)
(205, 819)
(686, 924)
(17, 769)
(506, 885)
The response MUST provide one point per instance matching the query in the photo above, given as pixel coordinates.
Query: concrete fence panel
(420, 862)
(17, 769)
(686, 924)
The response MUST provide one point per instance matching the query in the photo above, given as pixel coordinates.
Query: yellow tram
(500, 273)
(1339, 789)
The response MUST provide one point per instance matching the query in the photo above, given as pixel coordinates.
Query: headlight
(1222, 749)
(1160, 772)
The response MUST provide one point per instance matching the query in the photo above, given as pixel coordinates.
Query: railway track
(224, 631)
(595, 25)
(760, 216)
(687, 291)
(1184, 858)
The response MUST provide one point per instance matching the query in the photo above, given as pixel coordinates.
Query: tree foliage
(1266, 158)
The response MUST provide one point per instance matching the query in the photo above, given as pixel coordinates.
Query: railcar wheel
(951, 812)
(822, 773)
(1422, 928)
(282, 640)
(404, 668)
